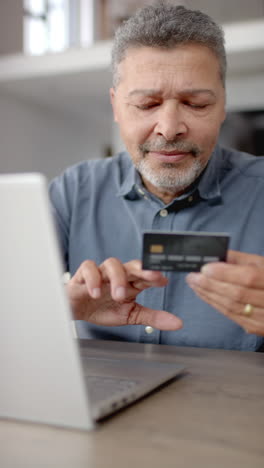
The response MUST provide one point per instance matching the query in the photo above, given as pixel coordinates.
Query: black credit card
(183, 250)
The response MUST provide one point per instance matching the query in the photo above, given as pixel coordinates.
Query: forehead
(188, 65)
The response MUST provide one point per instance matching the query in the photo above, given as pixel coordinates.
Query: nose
(170, 123)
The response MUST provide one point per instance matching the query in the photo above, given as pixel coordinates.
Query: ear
(223, 113)
(113, 102)
(224, 109)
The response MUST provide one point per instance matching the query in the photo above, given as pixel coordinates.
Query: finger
(242, 258)
(113, 271)
(228, 305)
(244, 275)
(89, 274)
(250, 324)
(141, 285)
(159, 319)
(230, 294)
(135, 272)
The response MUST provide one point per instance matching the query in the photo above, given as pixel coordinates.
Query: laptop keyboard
(101, 388)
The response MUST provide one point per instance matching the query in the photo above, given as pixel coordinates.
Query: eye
(146, 106)
(195, 106)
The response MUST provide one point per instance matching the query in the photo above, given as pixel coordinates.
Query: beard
(171, 177)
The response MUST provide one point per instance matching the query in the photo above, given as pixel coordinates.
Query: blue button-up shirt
(102, 208)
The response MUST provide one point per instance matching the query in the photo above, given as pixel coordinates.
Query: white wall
(33, 138)
(245, 92)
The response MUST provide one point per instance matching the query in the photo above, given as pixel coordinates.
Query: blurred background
(55, 77)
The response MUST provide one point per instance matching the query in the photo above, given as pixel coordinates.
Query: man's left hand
(234, 288)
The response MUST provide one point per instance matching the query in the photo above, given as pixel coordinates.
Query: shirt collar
(131, 186)
(208, 184)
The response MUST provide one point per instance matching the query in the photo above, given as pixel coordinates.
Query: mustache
(173, 145)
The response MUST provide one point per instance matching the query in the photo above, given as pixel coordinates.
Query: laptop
(44, 376)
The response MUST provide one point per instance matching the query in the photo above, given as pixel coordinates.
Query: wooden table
(212, 416)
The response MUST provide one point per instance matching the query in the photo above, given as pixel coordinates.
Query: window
(45, 26)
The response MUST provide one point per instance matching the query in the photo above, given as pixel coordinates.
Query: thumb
(159, 319)
(242, 258)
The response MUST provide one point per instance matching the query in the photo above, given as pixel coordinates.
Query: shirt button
(66, 277)
(163, 213)
(149, 330)
(140, 191)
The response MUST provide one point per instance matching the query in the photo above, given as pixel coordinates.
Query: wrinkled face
(169, 105)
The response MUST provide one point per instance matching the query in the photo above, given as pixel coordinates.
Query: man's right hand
(106, 295)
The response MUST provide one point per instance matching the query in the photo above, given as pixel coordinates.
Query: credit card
(183, 250)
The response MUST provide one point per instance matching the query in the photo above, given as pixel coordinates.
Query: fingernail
(191, 278)
(96, 293)
(120, 293)
(206, 269)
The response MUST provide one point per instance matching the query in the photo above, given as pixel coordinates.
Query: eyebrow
(158, 92)
(145, 92)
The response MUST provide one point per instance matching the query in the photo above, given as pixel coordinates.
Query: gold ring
(248, 310)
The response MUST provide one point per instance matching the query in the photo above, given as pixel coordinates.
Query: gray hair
(164, 25)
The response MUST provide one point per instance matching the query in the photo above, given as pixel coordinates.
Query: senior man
(168, 98)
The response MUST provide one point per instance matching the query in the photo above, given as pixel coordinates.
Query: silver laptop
(44, 377)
